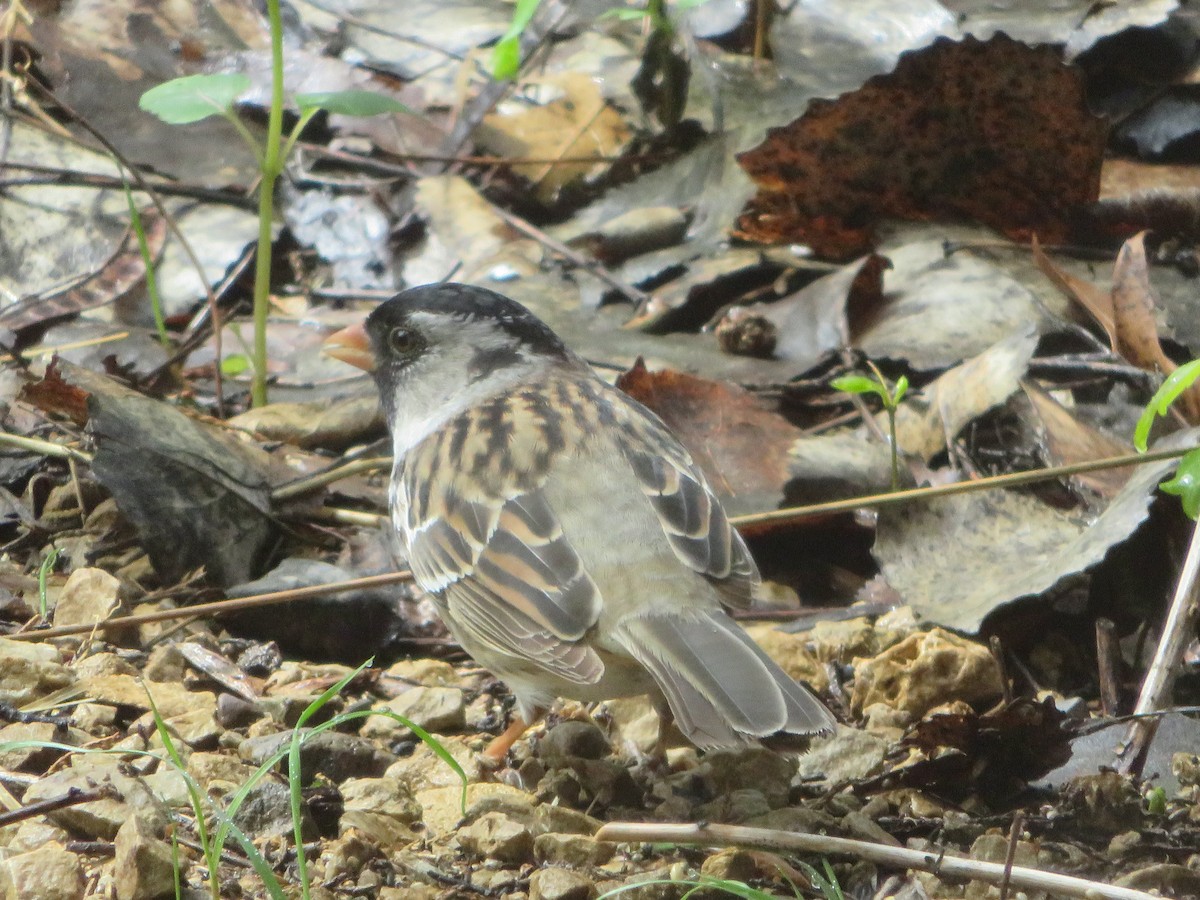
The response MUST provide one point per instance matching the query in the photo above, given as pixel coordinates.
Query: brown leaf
(740, 444)
(996, 131)
(1093, 298)
(1134, 303)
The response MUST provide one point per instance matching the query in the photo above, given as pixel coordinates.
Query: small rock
(849, 754)
(32, 834)
(382, 809)
(165, 663)
(335, 755)
(144, 867)
(572, 850)
(31, 759)
(30, 670)
(99, 818)
(925, 670)
(560, 884)
(234, 712)
(267, 812)
(734, 808)
(128, 690)
(424, 769)
(443, 805)
(436, 709)
(770, 773)
(561, 819)
(345, 858)
(732, 864)
(218, 773)
(49, 873)
(572, 739)
(496, 836)
(89, 596)
(429, 672)
(196, 728)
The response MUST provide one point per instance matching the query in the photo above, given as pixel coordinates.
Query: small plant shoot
(194, 98)
(891, 397)
(1186, 483)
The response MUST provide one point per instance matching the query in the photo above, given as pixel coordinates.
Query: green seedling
(194, 98)
(506, 55)
(890, 396)
(44, 571)
(212, 837)
(1186, 483)
(139, 230)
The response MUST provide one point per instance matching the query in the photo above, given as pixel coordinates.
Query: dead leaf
(995, 131)
(740, 444)
(1068, 440)
(1134, 303)
(1097, 301)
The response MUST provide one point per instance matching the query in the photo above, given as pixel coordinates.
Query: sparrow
(570, 542)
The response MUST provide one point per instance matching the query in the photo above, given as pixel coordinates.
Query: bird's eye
(404, 341)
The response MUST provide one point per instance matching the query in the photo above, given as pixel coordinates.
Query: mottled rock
(443, 808)
(30, 670)
(732, 864)
(218, 773)
(33, 759)
(127, 796)
(429, 672)
(165, 663)
(267, 812)
(335, 755)
(424, 769)
(89, 596)
(435, 709)
(925, 670)
(574, 851)
(726, 771)
(560, 884)
(497, 836)
(734, 808)
(382, 809)
(144, 867)
(48, 873)
(561, 819)
(573, 740)
(344, 858)
(128, 690)
(847, 755)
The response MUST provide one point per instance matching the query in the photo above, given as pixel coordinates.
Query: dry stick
(1020, 877)
(1177, 631)
(1014, 837)
(1108, 656)
(73, 797)
(218, 607)
(571, 256)
(1014, 479)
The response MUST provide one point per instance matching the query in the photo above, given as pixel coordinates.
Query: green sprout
(1186, 483)
(194, 98)
(891, 397)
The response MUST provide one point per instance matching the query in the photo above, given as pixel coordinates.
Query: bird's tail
(723, 690)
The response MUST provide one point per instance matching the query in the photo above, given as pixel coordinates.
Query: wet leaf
(194, 98)
(993, 131)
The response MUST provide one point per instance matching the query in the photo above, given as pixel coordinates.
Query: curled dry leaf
(994, 130)
(1134, 304)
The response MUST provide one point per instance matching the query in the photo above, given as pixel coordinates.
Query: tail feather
(722, 688)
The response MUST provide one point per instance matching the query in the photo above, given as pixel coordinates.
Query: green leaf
(193, 98)
(900, 391)
(1174, 385)
(235, 364)
(351, 103)
(506, 55)
(857, 384)
(1186, 484)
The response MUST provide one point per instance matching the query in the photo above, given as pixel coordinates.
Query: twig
(73, 797)
(1108, 661)
(305, 485)
(1014, 838)
(1020, 877)
(44, 448)
(574, 257)
(1013, 479)
(1177, 631)
(217, 608)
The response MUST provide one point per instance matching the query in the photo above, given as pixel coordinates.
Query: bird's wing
(490, 545)
(690, 514)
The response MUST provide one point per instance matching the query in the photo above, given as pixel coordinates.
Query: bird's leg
(502, 743)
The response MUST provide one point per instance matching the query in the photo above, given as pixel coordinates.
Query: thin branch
(940, 864)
